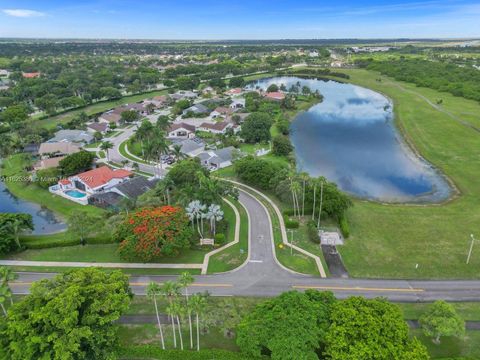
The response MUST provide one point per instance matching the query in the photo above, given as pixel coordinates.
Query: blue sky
(244, 19)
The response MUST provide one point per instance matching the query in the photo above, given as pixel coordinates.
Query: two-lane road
(262, 275)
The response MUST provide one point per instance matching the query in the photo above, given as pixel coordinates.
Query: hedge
(291, 223)
(155, 352)
(344, 228)
(46, 242)
(313, 232)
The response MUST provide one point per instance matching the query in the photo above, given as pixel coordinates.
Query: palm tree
(15, 228)
(170, 310)
(175, 310)
(304, 177)
(321, 203)
(315, 182)
(7, 275)
(176, 151)
(153, 290)
(105, 146)
(195, 210)
(5, 293)
(198, 303)
(214, 214)
(185, 280)
(171, 291)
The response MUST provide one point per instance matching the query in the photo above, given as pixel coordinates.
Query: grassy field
(236, 254)
(468, 347)
(53, 121)
(389, 240)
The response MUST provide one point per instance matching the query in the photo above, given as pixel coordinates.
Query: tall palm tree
(196, 210)
(154, 290)
(176, 310)
(15, 228)
(185, 280)
(171, 291)
(171, 311)
(5, 293)
(214, 214)
(7, 275)
(315, 183)
(105, 146)
(198, 304)
(304, 177)
(321, 203)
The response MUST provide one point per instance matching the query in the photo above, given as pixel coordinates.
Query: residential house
(5, 84)
(94, 181)
(197, 109)
(221, 111)
(75, 136)
(4, 72)
(48, 163)
(101, 127)
(110, 116)
(54, 149)
(181, 131)
(179, 95)
(275, 96)
(130, 189)
(234, 91)
(215, 128)
(191, 147)
(31, 75)
(237, 103)
(217, 159)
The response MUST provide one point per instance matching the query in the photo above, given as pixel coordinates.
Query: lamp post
(471, 248)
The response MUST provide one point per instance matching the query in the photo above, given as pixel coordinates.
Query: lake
(350, 138)
(44, 220)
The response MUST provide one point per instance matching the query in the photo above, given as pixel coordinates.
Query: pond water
(44, 220)
(350, 138)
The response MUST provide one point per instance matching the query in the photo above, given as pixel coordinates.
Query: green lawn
(468, 347)
(467, 310)
(100, 253)
(389, 240)
(236, 254)
(122, 149)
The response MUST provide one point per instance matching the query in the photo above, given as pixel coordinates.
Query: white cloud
(24, 13)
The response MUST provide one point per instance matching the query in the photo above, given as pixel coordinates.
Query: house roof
(48, 163)
(181, 125)
(30, 75)
(76, 136)
(136, 186)
(64, 147)
(102, 175)
(224, 110)
(190, 145)
(64, 182)
(197, 108)
(275, 95)
(111, 116)
(219, 126)
(101, 127)
(234, 91)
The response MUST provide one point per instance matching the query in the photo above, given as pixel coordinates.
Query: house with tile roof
(181, 131)
(220, 127)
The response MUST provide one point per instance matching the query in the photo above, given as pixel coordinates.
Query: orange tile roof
(102, 175)
(31, 75)
(65, 182)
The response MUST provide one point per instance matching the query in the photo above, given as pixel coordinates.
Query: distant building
(217, 159)
(74, 136)
(31, 75)
(275, 96)
(181, 131)
(54, 149)
(110, 116)
(48, 163)
(101, 127)
(179, 95)
(196, 109)
(221, 111)
(215, 128)
(191, 147)
(234, 91)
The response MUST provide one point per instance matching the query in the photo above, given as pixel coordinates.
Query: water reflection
(350, 139)
(44, 220)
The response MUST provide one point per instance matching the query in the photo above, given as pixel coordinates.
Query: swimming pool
(75, 194)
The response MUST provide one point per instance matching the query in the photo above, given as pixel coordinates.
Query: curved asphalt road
(261, 275)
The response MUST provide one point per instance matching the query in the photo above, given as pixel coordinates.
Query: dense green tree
(290, 326)
(76, 163)
(83, 224)
(283, 125)
(256, 127)
(129, 116)
(15, 113)
(441, 319)
(258, 172)
(47, 177)
(11, 226)
(281, 145)
(272, 88)
(68, 317)
(106, 146)
(237, 82)
(370, 330)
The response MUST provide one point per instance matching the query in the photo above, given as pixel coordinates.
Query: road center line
(356, 288)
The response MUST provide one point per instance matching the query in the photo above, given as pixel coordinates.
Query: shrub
(155, 352)
(312, 232)
(344, 228)
(220, 239)
(281, 145)
(291, 223)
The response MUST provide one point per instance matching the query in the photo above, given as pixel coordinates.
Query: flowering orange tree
(154, 232)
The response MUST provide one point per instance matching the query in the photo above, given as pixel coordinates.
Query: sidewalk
(99, 264)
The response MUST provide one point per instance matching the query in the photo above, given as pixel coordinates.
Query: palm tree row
(298, 185)
(178, 308)
(196, 211)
